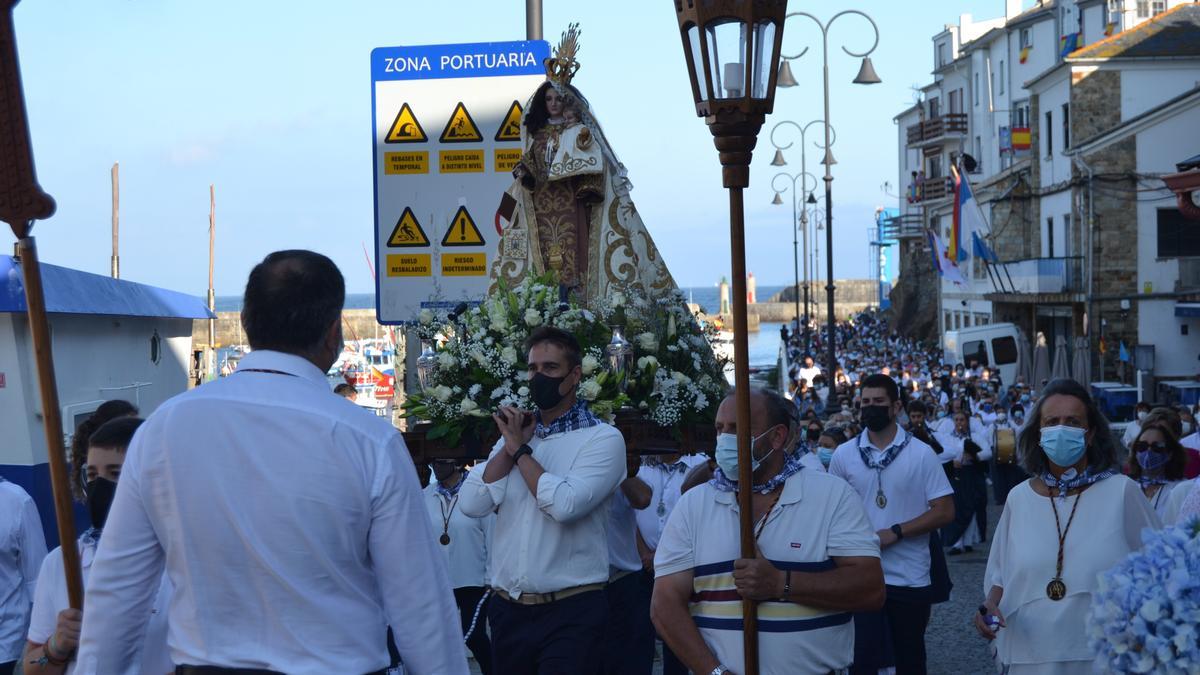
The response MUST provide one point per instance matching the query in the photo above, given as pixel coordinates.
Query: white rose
(647, 341)
(533, 317)
(590, 364)
(589, 390)
(425, 317)
(523, 392)
(647, 362)
(509, 355)
(447, 360)
(479, 357)
(467, 405)
(680, 377)
(442, 393)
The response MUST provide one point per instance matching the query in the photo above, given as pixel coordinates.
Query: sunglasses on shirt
(1142, 446)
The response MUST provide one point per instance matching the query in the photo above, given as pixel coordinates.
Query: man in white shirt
(1141, 410)
(817, 559)
(665, 475)
(906, 496)
(464, 541)
(628, 644)
(809, 370)
(22, 548)
(551, 476)
(283, 515)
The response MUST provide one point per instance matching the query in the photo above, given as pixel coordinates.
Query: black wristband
(521, 452)
(898, 532)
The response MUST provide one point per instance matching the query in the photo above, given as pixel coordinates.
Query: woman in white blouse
(1074, 519)
(1157, 465)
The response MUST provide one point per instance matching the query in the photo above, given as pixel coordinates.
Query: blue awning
(71, 291)
(1188, 309)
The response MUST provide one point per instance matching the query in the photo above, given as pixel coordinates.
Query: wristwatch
(719, 670)
(898, 532)
(521, 452)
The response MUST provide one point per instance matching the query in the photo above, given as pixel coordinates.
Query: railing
(937, 128)
(905, 226)
(1039, 276)
(933, 189)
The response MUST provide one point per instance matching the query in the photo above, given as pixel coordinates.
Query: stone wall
(359, 324)
(1095, 102)
(914, 297)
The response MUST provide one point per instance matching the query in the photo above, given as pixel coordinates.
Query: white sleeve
(1175, 501)
(44, 618)
(477, 498)
(32, 546)
(595, 474)
(124, 578)
(936, 483)
(430, 640)
(677, 546)
(993, 574)
(850, 533)
(1139, 514)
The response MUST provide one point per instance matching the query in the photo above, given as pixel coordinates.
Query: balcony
(937, 129)
(907, 226)
(934, 189)
(1039, 280)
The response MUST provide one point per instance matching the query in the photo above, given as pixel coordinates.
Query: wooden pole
(212, 298)
(741, 366)
(116, 221)
(22, 201)
(39, 328)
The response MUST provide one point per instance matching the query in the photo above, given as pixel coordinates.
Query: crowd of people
(261, 523)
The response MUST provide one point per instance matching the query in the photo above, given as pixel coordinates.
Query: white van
(993, 346)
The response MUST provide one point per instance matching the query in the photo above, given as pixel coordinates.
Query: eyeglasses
(1142, 446)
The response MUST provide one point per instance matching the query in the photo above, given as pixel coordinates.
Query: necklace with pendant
(446, 513)
(1057, 589)
(880, 498)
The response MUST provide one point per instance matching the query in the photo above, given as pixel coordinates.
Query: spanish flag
(1110, 29)
(1025, 53)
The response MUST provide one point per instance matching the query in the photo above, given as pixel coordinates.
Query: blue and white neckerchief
(791, 466)
(448, 493)
(91, 537)
(1072, 479)
(1147, 481)
(578, 417)
(889, 455)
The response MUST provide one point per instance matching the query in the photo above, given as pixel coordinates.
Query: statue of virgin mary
(569, 208)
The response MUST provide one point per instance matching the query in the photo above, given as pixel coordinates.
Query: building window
(1177, 236)
(1067, 238)
(1049, 134)
(976, 90)
(935, 166)
(1066, 125)
(1159, 6)
(1050, 237)
(943, 51)
(978, 154)
(1143, 9)
(935, 108)
(956, 106)
(1021, 115)
(1003, 77)
(1026, 38)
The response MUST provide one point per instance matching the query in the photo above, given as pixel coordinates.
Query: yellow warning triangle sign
(408, 232)
(462, 231)
(461, 128)
(406, 128)
(510, 128)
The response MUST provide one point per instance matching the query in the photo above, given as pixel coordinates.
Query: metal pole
(212, 298)
(39, 329)
(533, 19)
(741, 362)
(796, 250)
(116, 209)
(803, 174)
(831, 405)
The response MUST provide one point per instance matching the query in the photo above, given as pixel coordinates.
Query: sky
(270, 102)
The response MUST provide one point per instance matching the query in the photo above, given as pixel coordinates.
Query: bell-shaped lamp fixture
(829, 160)
(866, 73)
(778, 199)
(785, 77)
(779, 160)
(811, 199)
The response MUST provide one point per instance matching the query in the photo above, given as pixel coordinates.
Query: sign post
(445, 124)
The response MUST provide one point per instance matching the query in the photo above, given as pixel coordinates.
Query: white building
(111, 339)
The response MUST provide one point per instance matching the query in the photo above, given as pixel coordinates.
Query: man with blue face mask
(817, 563)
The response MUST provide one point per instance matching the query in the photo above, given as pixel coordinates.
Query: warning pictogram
(406, 128)
(510, 128)
(408, 232)
(463, 231)
(461, 128)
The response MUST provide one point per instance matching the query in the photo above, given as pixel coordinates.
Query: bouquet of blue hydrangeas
(1145, 617)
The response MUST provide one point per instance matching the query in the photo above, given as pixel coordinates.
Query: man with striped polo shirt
(818, 558)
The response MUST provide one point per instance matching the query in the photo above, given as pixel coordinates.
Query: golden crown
(562, 66)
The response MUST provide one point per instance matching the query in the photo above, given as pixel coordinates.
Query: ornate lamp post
(732, 53)
(809, 199)
(866, 75)
(803, 177)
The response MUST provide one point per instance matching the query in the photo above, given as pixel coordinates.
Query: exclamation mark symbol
(462, 229)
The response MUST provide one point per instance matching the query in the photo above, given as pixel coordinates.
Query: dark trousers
(970, 501)
(628, 644)
(1005, 477)
(467, 598)
(907, 620)
(558, 638)
(671, 663)
(7, 668)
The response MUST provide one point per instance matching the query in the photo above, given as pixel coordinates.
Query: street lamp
(732, 53)
(780, 161)
(803, 177)
(866, 75)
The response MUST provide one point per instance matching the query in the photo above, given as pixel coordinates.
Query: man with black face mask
(550, 476)
(53, 626)
(906, 496)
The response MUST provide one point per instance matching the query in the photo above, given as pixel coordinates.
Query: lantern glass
(696, 60)
(726, 38)
(763, 46)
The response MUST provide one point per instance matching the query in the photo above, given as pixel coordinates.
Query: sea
(764, 345)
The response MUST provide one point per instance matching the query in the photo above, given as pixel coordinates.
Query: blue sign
(480, 59)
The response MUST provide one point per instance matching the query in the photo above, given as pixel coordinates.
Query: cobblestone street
(952, 645)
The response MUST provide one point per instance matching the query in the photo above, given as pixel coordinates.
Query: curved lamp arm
(803, 133)
(825, 32)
